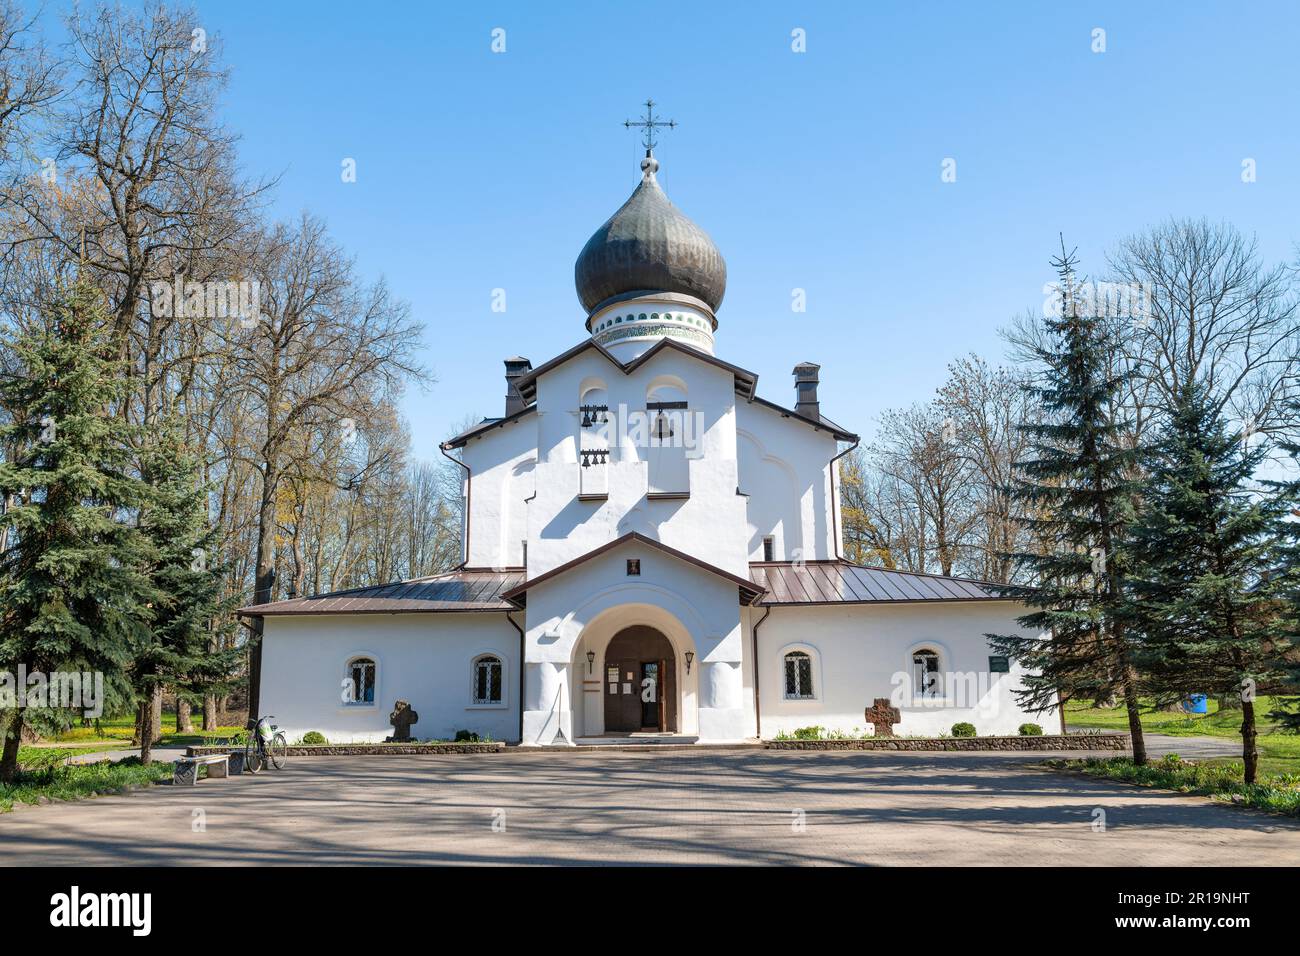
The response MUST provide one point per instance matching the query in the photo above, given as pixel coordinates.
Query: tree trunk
(1134, 717)
(209, 711)
(155, 715)
(184, 725)
(13, 739)
(264, 584)
(143, 714)
(1249, 755)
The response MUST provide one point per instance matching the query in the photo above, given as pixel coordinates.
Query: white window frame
(504, 702)
(814, 672)
(374, 678)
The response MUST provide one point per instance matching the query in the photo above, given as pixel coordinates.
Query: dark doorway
(639, 684)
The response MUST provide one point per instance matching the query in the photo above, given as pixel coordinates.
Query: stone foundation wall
(1048, 743)
(366, 750)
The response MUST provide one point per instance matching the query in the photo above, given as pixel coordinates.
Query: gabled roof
(465, 589)
(824, 424)
(839, 582)
(746, 381)
(746, 387)
(749, 591)
(486, 426)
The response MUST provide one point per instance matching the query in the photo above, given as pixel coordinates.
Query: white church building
(651, 549)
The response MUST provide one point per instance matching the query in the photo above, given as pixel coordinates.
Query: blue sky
(816, 170)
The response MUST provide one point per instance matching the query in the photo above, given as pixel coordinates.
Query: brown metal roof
(749, 592)
(465, 589)
(839, 582)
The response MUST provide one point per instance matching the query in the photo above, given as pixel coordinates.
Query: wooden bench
(186, 771)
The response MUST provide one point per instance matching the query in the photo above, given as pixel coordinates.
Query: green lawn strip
(1220, 781)
(123, 729)
(77, 781)
(1279, 753)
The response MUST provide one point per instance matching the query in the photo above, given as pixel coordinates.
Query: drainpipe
(521, 673)
(753, 633)
(469, 488)
(836, 531)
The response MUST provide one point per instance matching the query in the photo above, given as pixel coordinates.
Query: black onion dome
(649, 246)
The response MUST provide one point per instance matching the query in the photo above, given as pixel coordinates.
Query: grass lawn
(120, 730)
(1221, 782)
(42, 776)
(1278, 752)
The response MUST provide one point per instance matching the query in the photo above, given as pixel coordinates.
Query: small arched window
(926, 679)
(798, 676)
(361, 672)
(487, 680)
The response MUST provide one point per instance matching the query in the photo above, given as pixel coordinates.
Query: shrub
(466, 737)
(808, 733)
(963, 729)
(1030, 730)
(314, 737)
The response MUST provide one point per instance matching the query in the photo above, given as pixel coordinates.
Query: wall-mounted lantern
(690, 656)
(591, 659)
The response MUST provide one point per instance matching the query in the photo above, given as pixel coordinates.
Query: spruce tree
(1204, 550)
(1286, 579)
(1076, 490)
(185, 575)
(72, 592)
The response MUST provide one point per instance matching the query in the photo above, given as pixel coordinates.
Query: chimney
(515, 367)
(805, 390)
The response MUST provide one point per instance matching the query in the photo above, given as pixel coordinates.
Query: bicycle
(266, 742)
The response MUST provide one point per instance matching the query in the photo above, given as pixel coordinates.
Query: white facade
(630, 506)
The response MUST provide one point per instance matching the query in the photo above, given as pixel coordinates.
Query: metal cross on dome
(649, 125)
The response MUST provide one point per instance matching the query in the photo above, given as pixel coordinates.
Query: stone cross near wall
(883, 716)
(401, 718)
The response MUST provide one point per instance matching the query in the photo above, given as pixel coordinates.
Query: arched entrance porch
(656, 649)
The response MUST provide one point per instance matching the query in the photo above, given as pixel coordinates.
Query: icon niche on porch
(401, 718)
(882, 715)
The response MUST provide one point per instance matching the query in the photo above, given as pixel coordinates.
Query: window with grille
(361, 671)
(798, 676)
(487, 680)
(925, 674)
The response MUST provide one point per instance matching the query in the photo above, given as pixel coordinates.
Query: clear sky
(817, 170)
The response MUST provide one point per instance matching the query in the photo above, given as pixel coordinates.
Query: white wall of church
(709, 524)
(527, 482)
(580, 611)
(426, 659)
(784, 471)
(503, 471)
(857, 651)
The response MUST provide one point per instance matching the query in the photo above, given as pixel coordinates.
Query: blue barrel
(1196, 704)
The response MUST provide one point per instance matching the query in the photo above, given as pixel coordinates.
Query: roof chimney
(515, 367)
(805, 390)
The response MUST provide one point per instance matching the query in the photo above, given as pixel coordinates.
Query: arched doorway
(644, 695)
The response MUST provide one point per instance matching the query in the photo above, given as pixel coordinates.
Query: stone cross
(401, 718)
(883, 716)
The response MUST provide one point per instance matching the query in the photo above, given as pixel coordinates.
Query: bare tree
(925, 474)
(987, 407)
(1218, 318)
(326, 355)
